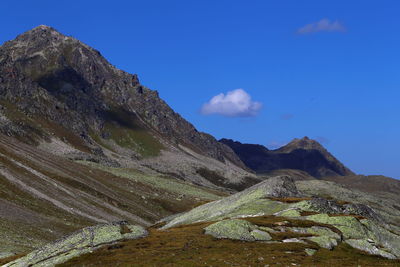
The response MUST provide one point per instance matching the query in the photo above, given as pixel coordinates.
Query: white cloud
(236, 103)
(324, 25)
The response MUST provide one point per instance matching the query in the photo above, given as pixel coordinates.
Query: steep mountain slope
(83, 143)
(300, 154)
(43, 196)
(57, 92)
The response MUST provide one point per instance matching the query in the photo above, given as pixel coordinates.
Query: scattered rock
(232, 229)
(364, 245)
(260, 235)
(310, 251)
(293, 240)
(324, 241)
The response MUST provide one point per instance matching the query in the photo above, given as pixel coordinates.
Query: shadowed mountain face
(47, 78)
(300, 154)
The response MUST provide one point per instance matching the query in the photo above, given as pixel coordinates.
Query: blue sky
(324, 69)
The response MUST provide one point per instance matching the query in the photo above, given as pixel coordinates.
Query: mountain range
(83, 143)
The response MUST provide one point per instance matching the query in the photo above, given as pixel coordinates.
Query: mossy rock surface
(79, 243)
(260, 235)
(250, 202)
(289, 213)
(324, 241)
(383, 236)
(310, 251)
(348, 225)
(365, 245)
(235, 229)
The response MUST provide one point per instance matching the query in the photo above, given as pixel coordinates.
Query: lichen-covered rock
(316, 230)
(232, 229)
(322, 205)
(293, 240)
(260, 235)
(310, 251)
(267, 229)
(348, 225)
(78, 243)
(323, 236)
(250, 202)
(324, 241)
(291, 212)
(364, 245)
(383, 237)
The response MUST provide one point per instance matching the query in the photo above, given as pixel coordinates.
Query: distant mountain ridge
(301, 154)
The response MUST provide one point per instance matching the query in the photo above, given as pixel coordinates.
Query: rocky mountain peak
(302, 143)
(46, 74)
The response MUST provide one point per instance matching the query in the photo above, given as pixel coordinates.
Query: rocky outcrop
(79, 243)
(301, 154)
(237, 230)
(241, 204)
(328, 222)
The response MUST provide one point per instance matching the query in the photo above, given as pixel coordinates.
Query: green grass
(160, 181)
(127, 131)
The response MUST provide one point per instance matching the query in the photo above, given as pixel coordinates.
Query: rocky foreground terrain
(97, 170)
(276, 222)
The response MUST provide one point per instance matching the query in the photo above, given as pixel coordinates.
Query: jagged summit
(42, 34)
(42, 28)
(301, 143)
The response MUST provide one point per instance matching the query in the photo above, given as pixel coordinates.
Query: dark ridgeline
(300, 154)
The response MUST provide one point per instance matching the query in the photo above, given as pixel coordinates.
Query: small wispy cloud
(286, 117)
(324, 25)
(236, 103)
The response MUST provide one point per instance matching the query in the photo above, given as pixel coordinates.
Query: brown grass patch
(359, 217)
(308, 213)
(188, 246)
(10, 259)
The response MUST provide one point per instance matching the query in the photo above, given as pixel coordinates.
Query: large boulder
(250, 202)
(237, 230)
(79, 243)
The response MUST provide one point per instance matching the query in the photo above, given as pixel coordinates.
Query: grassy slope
(171, 185)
